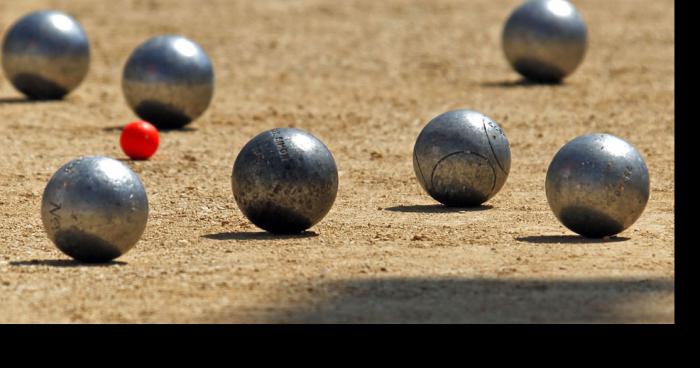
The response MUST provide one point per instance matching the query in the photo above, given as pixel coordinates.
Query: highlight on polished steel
(461, 158)
(597, 185)
(46, 55)
(94, 209)
(168, 81)
(284, 180)
(545, 40)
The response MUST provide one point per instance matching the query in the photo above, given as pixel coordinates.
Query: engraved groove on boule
(432, 175)
(415, 158)
(483, 121)
(453, 147)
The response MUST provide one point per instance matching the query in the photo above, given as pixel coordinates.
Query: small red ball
(139, 140)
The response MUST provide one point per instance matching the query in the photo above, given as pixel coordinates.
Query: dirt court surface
(364, 77)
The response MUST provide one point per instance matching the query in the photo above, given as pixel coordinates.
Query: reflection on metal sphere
(94, 209)
(46, 55)
(545, 40)
(597, 185)
(168, 81)
(284, 180)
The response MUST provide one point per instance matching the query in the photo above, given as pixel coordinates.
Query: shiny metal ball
(94, 209)
(284, 180)
(597, 185)
(545, 40)
(168, 81)
(461, 158)
(46, 55)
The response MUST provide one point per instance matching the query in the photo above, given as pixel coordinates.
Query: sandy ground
(364, 77)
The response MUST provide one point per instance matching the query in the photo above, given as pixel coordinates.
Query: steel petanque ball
(461, 158)
(597, 185)
(94, 209)
(168, 81)
(284, 180)
(545, 40)
(46, 55)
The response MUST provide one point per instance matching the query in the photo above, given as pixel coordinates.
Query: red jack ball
(139, 140)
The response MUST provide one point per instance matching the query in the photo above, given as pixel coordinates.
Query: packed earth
(364, 77)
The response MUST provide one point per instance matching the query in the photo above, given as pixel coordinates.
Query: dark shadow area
(130, 160)
(569, 239)
(258, 235)
(162, 115)
(37, 87)
(494, 300)
(523, 82)
(437, 208)
(589, 222)
(185, 129)
(23, 100)
(65, 263)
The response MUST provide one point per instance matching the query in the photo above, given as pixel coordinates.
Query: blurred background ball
(94, 209)
(597, 185)
(168, 81)
(461, 158)
(46, 55)
(545, 40)
(285, 180)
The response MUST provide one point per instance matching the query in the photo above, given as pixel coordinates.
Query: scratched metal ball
(168, 81)
(545, 40)
(284, 180)
(597, 185)
(94, 209)
(46, 55)
(461, 158)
